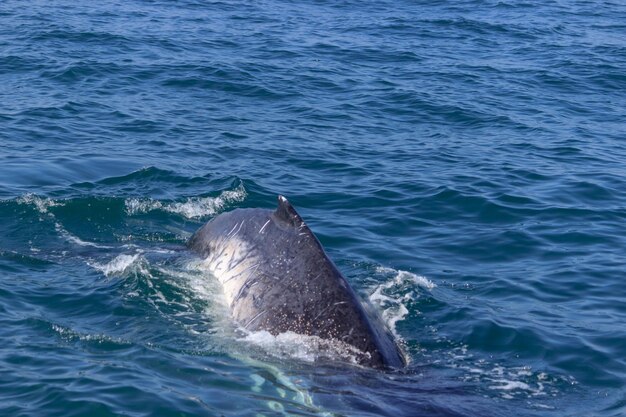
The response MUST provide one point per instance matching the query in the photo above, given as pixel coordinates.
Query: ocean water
(463, 163)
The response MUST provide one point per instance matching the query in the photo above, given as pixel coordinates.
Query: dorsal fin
(286, 213)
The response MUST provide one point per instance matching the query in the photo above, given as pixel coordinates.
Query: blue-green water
(464, 163)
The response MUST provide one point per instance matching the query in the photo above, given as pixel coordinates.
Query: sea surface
(462, 162)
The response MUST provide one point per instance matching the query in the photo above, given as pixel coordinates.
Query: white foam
(41, 204)
(135, 205)
(402, 276)
(510, 385)
(205, 287)
(305, 348)
(198, 285)
(193, 207)
(509, 382)
(117, 265)
(394, 295)
(543, 406)
(70, 334)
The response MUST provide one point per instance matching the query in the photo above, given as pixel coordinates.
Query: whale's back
(277, 277)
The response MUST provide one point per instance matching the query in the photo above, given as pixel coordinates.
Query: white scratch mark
(231, 230)
(262, 228)
(254, 318)
(238, 229)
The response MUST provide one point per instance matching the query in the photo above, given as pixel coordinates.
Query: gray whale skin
(277, 277)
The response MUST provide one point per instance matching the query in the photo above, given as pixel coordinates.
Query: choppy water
(462, 162)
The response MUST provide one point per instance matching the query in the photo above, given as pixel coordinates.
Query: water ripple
(461, 162)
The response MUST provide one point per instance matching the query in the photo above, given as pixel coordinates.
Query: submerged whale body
(277, 277)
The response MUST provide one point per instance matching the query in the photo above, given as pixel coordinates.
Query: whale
(277, 278)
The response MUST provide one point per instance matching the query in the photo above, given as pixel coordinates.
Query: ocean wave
(120, 264)
(75, 239)
(477, 143)
(42, 204)
(70, 334)
(193, 208)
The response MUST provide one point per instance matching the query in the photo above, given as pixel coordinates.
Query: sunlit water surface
(462, 162)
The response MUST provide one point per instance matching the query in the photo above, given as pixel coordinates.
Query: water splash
(192, 208)
(42, 204)
(305, 348)
(120, 264)
(394, 295)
